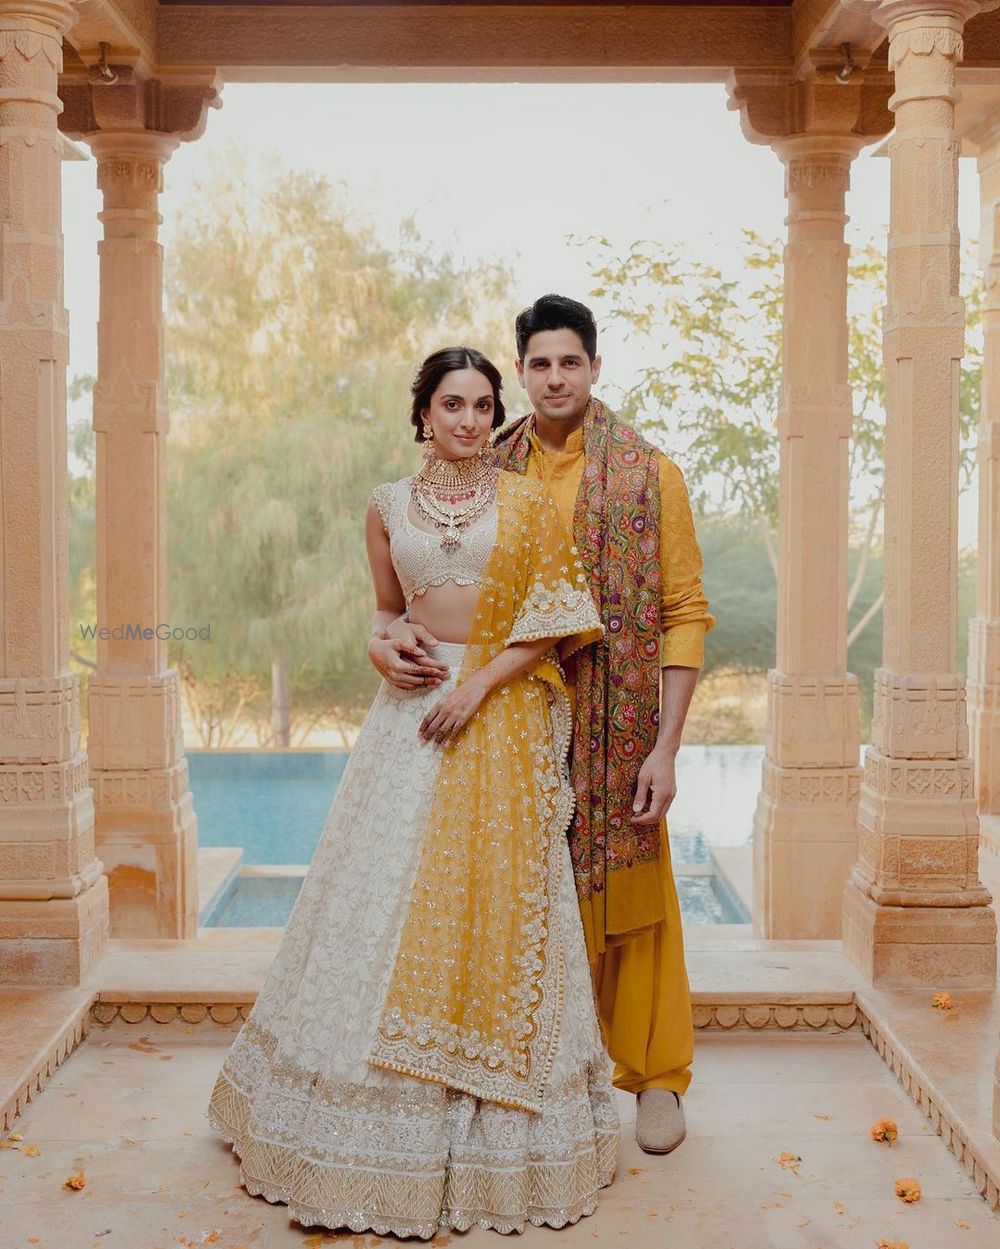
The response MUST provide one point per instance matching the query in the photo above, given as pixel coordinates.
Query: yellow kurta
(642, 987)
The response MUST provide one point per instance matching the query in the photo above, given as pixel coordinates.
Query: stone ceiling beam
(822, 27)
(485, 43)
(127, 26)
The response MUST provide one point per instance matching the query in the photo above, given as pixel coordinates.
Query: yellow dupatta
(476, 989)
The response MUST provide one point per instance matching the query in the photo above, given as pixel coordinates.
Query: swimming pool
(273, 804)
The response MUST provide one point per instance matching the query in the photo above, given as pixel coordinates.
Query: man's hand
(656, 787)
(393, 662)
(415, 638)
(447, 718)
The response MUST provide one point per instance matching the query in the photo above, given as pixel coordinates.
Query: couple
(491, 902)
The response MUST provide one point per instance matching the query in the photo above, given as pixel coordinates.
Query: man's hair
(556, 312)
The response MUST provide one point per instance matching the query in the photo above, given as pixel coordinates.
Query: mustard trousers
(644, 1001)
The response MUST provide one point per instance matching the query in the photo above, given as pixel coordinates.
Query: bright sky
(503, 172)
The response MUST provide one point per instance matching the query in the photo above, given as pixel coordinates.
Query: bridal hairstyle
(556, 312)
(437, 366)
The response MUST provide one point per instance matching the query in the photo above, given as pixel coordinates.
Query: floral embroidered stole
(476, 989)
(616, 526)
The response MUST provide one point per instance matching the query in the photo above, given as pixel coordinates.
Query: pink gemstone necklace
(453, 494)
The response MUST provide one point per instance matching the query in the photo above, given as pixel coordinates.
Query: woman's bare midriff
(446, 610)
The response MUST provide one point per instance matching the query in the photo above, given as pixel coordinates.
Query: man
(627, 506)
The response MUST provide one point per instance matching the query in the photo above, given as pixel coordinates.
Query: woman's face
(460, 414)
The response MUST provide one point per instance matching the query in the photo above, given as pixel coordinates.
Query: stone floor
(127, 1110)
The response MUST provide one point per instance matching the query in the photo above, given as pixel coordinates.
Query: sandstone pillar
(996, 1098)
(804, 828)
(984, 628)
(915, 911)
(53, 895)
(146, 829)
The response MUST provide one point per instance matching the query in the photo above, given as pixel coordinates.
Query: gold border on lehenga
(379, 1192)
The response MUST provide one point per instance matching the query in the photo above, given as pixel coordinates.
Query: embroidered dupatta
(476, 989)
(616, 526)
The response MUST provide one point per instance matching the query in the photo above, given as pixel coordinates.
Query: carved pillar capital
(130, 172)
(900, 17)
(43, 17)
(774, 109)
(159, 107)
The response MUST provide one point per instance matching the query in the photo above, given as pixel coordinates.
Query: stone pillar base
(805, 844)
(147, 837)
(920, 946)
(54, 942)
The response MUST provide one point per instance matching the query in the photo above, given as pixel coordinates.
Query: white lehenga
(346, 1144)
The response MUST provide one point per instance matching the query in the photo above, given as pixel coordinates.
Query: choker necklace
(453, 494)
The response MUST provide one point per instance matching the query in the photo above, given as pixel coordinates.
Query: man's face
(557, 374)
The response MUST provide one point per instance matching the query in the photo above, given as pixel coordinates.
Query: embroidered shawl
(476, 989)
(616, 526)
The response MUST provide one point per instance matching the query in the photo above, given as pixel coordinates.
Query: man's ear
(519, 369)
(595, 368)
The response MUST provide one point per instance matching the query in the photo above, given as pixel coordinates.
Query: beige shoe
(659, 1121)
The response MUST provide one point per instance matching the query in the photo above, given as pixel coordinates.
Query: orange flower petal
(884, 1130)
(908, 1189)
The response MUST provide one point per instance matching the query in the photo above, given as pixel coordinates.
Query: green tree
(292, 334)
(712, 395)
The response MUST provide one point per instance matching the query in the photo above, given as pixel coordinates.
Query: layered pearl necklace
(453, 494)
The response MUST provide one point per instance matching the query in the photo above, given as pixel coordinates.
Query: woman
(424, 1051)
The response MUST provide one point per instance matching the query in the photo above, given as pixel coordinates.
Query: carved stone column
(996, 1098)
(984, 628)
(804, 830)
(915, 911)
(146, 829)
(53, 895)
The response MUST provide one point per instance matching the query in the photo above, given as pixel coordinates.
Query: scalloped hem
(451, 1218)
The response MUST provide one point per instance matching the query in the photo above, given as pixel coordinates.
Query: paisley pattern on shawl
(616, 527)
(477, 983)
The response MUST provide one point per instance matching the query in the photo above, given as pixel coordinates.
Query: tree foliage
(292, 334)
(711, 394)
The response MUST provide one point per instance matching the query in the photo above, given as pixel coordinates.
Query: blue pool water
(271, 803)
(274, 804)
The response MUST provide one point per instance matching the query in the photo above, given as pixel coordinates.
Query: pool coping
(220, 868)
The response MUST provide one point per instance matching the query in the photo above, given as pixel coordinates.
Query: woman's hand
(393, 662)
(451, 714)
